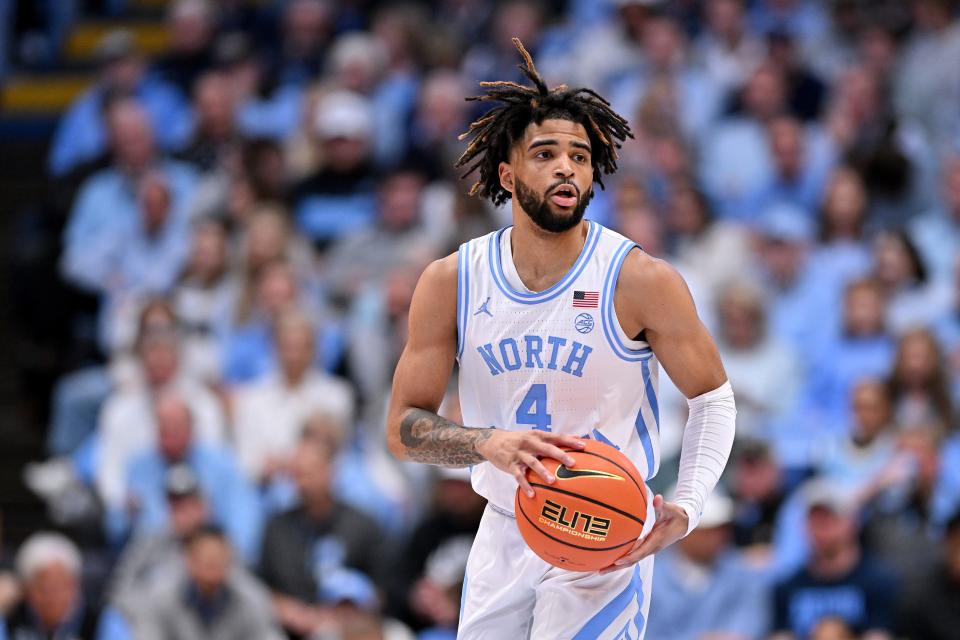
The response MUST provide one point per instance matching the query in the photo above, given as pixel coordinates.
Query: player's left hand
(670, 526)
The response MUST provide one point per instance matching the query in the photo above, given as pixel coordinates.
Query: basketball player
(558, 325)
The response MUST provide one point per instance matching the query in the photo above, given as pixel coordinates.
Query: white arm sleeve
(707, 440)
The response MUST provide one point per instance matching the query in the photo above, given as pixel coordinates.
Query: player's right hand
(514, 452)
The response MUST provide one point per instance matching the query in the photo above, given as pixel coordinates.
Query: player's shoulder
(441, 273)
(644, 272)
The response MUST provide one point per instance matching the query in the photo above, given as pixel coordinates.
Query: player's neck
(542, 258)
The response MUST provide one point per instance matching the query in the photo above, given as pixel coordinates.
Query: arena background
(213, 216)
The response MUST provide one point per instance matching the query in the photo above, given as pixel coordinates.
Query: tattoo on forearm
(435, 440)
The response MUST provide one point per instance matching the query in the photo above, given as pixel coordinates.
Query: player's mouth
(564, 196)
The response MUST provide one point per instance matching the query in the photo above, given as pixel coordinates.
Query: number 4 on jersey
(533, 408)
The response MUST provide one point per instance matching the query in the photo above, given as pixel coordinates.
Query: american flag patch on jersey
(587, 299)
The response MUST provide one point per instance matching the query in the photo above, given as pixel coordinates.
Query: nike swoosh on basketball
(565, 473)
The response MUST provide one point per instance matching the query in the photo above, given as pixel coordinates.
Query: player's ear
(506, 176)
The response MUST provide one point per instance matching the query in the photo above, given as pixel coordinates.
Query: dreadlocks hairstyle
(501, 126)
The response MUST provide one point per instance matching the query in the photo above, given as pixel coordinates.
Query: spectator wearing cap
(379, 66)
(928, 610)
(311, 549)
(211, 601)
(152, 559)
(49, 566)
(338, 198)
(83, 134)
(704, 587)
(764, 371)
(270, 413)
(236, 507)
(840, 579)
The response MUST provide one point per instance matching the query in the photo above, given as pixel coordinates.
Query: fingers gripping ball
(591, 515)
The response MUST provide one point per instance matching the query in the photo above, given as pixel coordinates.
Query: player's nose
(563, 168)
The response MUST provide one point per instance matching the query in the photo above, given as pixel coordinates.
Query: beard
(538, 208)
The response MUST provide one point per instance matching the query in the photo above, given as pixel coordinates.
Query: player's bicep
(676, 334)
(423, 371)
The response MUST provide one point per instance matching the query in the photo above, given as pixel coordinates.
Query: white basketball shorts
(509, 593)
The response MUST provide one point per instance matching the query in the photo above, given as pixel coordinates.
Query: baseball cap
(786, 222)
(344, 114)
(181, 482)
(824, 494)
(717, 511)
(349, 585)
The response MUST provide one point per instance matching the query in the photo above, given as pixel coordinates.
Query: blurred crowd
(239, 225)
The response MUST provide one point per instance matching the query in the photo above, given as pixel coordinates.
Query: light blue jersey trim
(651, 393)
(496, 269)
(463, 598)
(463, 295)
(599, 623)
(608, 315)
(643, 431)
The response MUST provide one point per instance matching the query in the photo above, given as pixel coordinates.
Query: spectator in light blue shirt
(82, 134)
(798, 173)
(140, 251)
(706, 589)
(235, 504)
(108, 199)
(796, 288)
(861, 348)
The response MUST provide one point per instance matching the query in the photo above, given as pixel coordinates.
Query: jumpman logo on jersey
(483, 308)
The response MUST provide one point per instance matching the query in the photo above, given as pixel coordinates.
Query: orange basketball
(590, 516)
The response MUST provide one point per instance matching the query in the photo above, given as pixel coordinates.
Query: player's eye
(543, 155)
(579, 157)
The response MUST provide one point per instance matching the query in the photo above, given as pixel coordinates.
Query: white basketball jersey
(556, 360)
